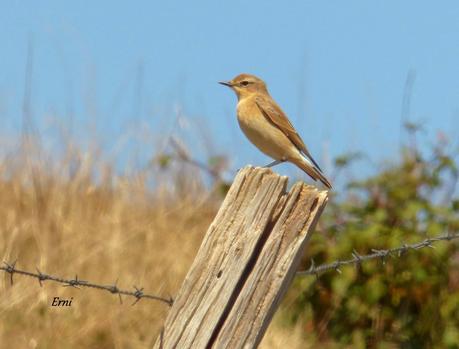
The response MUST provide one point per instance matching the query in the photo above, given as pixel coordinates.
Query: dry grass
(73, 215)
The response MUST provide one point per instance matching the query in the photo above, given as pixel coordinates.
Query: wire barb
(137, 294)
(75, 283)
(41, 277)
(357, 259)
(10, 268)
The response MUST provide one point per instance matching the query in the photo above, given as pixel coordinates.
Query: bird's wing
(276, 116)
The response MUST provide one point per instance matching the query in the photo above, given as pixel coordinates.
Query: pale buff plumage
(268, 128)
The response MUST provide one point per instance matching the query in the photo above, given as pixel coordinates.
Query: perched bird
(268, 128)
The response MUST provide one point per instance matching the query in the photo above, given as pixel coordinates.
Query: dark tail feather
(313, 172)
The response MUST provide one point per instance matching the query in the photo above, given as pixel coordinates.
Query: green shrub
(409, 302)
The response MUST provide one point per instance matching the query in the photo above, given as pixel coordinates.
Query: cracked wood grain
(245, 264)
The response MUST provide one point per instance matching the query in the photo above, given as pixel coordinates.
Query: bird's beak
(226, 83)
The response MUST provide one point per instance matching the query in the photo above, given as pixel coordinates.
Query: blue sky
(337, 68)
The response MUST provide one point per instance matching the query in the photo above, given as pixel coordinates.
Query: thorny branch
(183, 156)
(138, 293)
(381, 254)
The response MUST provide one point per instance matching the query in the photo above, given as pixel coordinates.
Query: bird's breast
(250, 119)
(262, 133)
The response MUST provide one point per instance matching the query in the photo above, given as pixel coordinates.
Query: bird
(268, 128)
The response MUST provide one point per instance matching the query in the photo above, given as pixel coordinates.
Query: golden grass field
(73, 215)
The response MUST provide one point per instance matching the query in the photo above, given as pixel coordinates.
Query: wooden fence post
(245, 263)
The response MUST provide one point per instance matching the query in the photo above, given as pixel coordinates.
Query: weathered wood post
(245, 263)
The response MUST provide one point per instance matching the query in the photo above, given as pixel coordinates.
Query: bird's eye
(244, 83)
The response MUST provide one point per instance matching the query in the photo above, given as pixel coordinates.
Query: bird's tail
(312, 171)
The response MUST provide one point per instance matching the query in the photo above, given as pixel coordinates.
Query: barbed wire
(382, 254)
(138, 293)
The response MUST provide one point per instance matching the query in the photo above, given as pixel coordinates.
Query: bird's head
(245, 85)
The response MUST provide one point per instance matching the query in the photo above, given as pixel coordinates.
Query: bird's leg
(274, 163)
